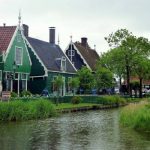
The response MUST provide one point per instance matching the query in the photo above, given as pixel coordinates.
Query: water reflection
(97, 130)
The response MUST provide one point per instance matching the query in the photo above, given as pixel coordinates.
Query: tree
(74, 83)
(86, 78)
(103, 77)
(127, 48)
(142, 70)
(58, 83)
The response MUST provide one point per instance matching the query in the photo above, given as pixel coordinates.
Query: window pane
(18, 56)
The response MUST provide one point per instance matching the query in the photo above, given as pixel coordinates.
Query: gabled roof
(89, 55)
(50, 55)
(6, 34)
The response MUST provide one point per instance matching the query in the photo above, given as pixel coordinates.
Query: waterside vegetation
(16, 110)
(136, 116)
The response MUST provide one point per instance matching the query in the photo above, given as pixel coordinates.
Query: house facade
(80, 54)
(48, 61)
(15, 63)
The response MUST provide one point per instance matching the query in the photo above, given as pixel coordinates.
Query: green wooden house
(48, 61)
(15, 63)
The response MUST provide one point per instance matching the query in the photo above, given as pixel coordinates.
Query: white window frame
(19, 37)
(71, 52)
(26, 75)
(21, 55)
(63, 68)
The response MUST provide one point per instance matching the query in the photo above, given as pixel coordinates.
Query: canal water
(92, 130)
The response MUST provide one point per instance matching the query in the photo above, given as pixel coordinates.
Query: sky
(94, 19)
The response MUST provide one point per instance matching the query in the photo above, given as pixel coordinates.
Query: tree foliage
(86, 78)
(103, 77)
(127, 55)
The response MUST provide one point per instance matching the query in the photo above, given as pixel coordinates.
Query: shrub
(111, 100)
(76, 100)
(13, 94)
(25, 93)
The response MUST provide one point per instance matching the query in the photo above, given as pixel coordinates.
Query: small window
(63, 64)
(23, 76)
(71, 53)
(18, 56)
(19, 37)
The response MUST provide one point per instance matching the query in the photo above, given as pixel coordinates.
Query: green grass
(20, 110)
(136, 116)
(69, 105)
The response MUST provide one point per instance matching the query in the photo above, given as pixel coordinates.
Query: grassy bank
(136, 116)
(19, 110)
(29, 108)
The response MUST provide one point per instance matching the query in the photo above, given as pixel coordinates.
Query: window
(53, 85)
(63, 64)
(19, 36)
(18, 56)
(71, 53)
(23, 76)
(69, 86)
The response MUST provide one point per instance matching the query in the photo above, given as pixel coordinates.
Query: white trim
(78, 52)
(68, 59)
(21, 55)
(61, 72)
(10, 44)
(45, 69)
(18, 85)
(31, 77)
(24, 39)
(19, 38)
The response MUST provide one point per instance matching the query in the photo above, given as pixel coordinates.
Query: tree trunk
(120, 84)
(128, 80)
(140, 91)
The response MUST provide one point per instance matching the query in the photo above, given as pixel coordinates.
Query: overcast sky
(94, 19)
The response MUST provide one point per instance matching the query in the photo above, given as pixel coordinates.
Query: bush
(13, 94)
(111, 100)
(76, 100)
(25, 93)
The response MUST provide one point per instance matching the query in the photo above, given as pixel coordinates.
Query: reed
(136, 116)
(20, 110)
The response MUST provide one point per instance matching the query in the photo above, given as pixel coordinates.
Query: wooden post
(26, 84)
(18, 85)
(11, 85)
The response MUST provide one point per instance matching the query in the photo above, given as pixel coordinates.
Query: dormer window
(63, 64)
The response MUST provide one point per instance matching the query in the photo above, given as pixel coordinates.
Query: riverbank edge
(87, 108)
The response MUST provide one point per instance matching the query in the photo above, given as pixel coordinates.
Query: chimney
(84, 41)
(26, 30)
(4, 24)
(52, 35)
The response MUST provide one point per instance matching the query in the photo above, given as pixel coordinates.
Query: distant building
(80, 54)
(15, 63)
(48, 61)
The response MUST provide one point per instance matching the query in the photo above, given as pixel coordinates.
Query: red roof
(6, 34)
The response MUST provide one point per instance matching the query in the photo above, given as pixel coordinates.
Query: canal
(92, 130)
